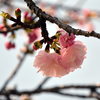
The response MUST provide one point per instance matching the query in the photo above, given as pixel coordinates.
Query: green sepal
(5, 15)
(38, 44)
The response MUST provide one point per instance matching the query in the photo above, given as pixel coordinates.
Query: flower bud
(18, 12)
(58, 35)
(34, 47)
(38, 45)
(5, 15)
(57, 51)
(9, 45)
(47, 48)
(25, 14)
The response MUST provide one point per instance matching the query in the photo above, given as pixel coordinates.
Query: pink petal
(73, 56)
(49, 64)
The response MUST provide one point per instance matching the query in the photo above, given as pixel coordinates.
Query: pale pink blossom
(49, 64)
(65, 40)
(73, 56)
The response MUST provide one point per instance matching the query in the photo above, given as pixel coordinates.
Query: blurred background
(84, 14)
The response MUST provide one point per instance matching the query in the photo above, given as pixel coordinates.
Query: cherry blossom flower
(73, 56)
(72, 53)
(49, 64)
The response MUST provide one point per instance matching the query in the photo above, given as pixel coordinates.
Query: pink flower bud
(9, 45)
(29, 19)
(34, 47)
(18, 10)
(25, 14)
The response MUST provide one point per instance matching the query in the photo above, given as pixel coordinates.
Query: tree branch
(56, 90)
(43, 82)
(55, 20)
(10, 29)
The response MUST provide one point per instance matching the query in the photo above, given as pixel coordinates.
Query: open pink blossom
(65, 40)
(73, 56)
(49, 64)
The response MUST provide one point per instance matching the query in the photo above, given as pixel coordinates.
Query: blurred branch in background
(5, 2)
(59, 90)
(14, 72)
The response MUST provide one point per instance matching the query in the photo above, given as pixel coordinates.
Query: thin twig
(43, 82)
(22, 25)
(10, 29)
(13, 73)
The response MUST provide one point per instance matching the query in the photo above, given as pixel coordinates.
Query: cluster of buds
(4, 26)
(32, 34)
(51, 43)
